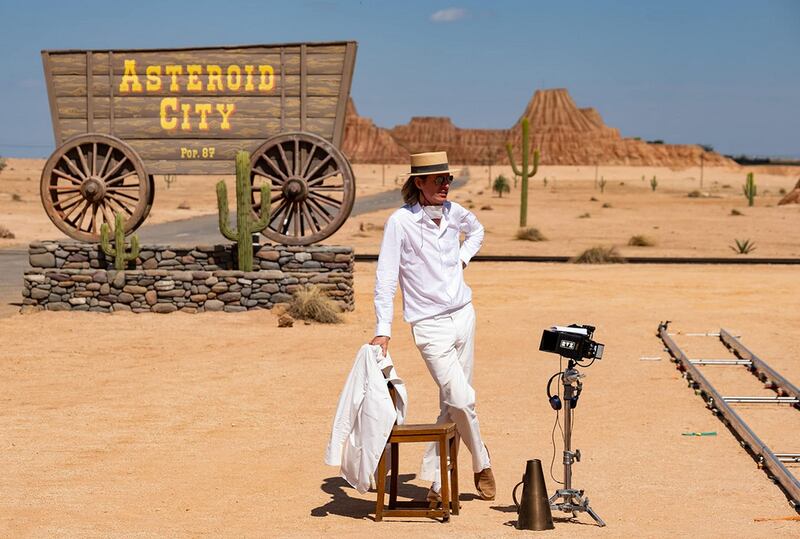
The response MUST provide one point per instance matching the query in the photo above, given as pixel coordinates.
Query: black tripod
(573, 500)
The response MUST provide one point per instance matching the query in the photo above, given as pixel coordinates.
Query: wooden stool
(445, 435)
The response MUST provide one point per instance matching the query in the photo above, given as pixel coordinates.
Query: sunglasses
(439, 180)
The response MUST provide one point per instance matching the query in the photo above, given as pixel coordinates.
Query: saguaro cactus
(119, 251)
(524, 172)
(245, 224)
(653, 183)
(750, 189)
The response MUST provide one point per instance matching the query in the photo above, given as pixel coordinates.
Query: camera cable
(556, 423)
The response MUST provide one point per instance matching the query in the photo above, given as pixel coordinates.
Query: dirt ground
(563, 210)
(215, 425)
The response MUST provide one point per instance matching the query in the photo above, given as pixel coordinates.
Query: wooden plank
(51, 97)
(190, 167)
(282, 74)
(320, 46)
(111, 91)
(317, 64)
(303, 75)
(89, 94)
(344, 93)
(241, 128)
(149, 107)
(192, 149)
(316, 85)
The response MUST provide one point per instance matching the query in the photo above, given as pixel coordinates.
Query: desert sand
(215, 425)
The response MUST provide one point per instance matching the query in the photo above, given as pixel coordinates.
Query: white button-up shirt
(426, 260)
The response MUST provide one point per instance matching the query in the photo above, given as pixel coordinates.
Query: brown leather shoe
(484, 482)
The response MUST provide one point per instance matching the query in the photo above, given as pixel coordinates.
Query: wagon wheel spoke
(94, 158)
(114, 169)
(121, 195)
(329, 188)
(317, 181)
(73, 166)
(296, 157)
(86, 172)
(120, 178)
(319, 166)
(309, 160)
(105, 161)
(285, 159)
(274, 214)
(64, 189)
(321, 209)
(329, 200)
(312, 220)
(263, 173)
(65, 176)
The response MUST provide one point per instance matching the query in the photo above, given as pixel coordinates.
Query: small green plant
(640, 241)
(169, 179)
(245, 224)
(119, 251)
(530, 234)
(602, 184)
(599, 255)
(311, 303)
(750, 189)
(736, 212)
(694, 194)
(653, 183)
(501, 186)
(743, 247)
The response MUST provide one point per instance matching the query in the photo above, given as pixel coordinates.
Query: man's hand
(383, 342)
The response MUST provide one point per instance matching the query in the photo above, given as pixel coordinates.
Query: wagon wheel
(89, 179)
(311, 184)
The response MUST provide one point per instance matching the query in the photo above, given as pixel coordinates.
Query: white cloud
(450, 14)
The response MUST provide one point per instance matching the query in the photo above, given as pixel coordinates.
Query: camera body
(573, 342)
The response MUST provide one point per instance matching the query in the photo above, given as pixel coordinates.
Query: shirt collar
(416, 209)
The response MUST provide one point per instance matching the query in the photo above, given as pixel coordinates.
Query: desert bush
(599, 255)
(743, 247)
(3, 163)
(593, 199)
(16, 198)
(184, 206)
(6, 234)
(501, 186)
(311, 303)
(734, 211)
(694, 194)
(640, 241)
(486, 208)
(530, 234)
(479, 193)
(781, 191)
(607, 205)
(726, 186)
(584, 215)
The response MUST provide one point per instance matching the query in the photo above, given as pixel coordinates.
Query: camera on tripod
(573, 342)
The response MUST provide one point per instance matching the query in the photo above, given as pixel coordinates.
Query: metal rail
(759, 367)
(370, 257)
(770, 461)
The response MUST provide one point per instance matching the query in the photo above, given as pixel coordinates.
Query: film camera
(573, 342)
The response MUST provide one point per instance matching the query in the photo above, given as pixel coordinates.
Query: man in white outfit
(421, 251)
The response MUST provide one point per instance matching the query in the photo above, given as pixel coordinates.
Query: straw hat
(426, 163)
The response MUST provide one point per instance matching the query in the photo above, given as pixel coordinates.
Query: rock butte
(563, 133)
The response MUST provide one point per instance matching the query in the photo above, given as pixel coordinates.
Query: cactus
(653, 183)
(245, 224)
(169, 179)
(602, 184)
(524, 172)
(750, 189)
(119, 251)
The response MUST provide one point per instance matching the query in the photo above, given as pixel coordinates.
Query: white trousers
(447, 344)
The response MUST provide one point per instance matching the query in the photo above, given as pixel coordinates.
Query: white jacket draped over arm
(365, 416)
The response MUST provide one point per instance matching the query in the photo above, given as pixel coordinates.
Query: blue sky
(725, 73)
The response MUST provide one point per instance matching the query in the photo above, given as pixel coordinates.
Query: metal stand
(573, 500)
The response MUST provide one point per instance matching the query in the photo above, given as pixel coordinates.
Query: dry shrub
(16, 198)
(369, 227)
(184, 206)
(640, 240)
(607, 205)
(311, 303)
(530, 234)
(584, 215)
(736, 212)
(694, 194)
(6, 234)
(599, 255)
(486, 208)
(593, 199)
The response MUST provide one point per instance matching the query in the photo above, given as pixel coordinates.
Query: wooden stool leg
(395, 463)
(443, 451)
(380, 482)
(454, 473)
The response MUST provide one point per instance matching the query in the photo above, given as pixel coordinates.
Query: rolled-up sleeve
(473, 235)
(386, 276)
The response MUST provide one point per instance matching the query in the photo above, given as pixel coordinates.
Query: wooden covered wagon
(122, 116)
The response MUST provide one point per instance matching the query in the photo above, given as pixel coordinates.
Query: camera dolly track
(786, 393)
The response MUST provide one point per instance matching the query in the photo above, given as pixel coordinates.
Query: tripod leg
(595, 516)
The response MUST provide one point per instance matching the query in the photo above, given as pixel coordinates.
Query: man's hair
(410, 190)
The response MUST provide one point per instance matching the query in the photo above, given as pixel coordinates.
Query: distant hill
(564, 134)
